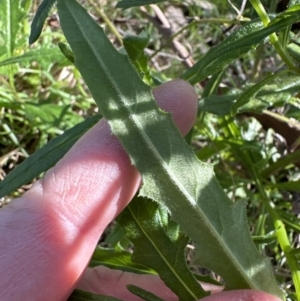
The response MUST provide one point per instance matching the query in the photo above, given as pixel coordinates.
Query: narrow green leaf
(44, 158)
(255, 98)
(213, 83)
(51, 114)
(217, 104)
(38, 55)
(171, 172)
(135, 45)
(295, 252)
(290, 11)
(67, 52)
(143, 293)
(294, 51)
(240, 42)
(117, 237)
(249, 93)
(119, 259)
(281, 163)
(11, 16)
(265, 239)
(39, 20)
(143, 224)
(290, 221)
(132, 3)
(211, 149)
(294, 185)
(25, 4)
(79, 295)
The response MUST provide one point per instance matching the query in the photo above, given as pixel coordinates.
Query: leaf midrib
(170, 174)
(161, 255)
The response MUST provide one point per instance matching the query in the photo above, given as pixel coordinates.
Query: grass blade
(39, 20)
(44, 158)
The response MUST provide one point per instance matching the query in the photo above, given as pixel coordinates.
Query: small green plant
(190, 205)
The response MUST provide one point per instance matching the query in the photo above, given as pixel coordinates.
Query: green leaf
(171, 172)
(249, 93)
(39, 55)
(255, 98)
(132, 3)
(117, 237)
(265, 239)
(294, 51)
(281, 163)
(44, 158)
(211, 149)
(143, 293)
(48, 113)
(119, 259)
(67, 52)
(217, 104)
(143, 224)
(79, 295)
(39, 19)
(213, 84)
(135, 45)
(11, 16)
(294, 185)
(240, 42)
(25, 4)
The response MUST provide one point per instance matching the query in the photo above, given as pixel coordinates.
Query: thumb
(102, 280)
(48, 235)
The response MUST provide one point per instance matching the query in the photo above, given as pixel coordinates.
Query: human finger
(102, 280)
(48, 235)
(241, 295)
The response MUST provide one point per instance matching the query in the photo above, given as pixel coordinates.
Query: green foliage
(118, 258)
(144, 226)
(39, 19)
(29, 98)
(67, 51)
(250, 70)
(132, 3)
(44, 158)
(135, 46)
(187, 195)
(237, 44)
(143, 293)
(45, 55)
(254, 97)
(12, 13)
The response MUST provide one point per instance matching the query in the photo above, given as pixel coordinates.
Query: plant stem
(292, 123)
(280, 232)
(273, 37)
(279, 226)
(106, 20)
(200, 21)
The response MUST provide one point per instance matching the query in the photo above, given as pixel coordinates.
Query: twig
(164, 27)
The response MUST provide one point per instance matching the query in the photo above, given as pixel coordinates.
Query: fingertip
(180, 99)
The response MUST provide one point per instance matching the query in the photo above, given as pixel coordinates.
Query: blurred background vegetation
(256, 153)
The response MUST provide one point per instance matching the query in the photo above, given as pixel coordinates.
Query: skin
(48, 235)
